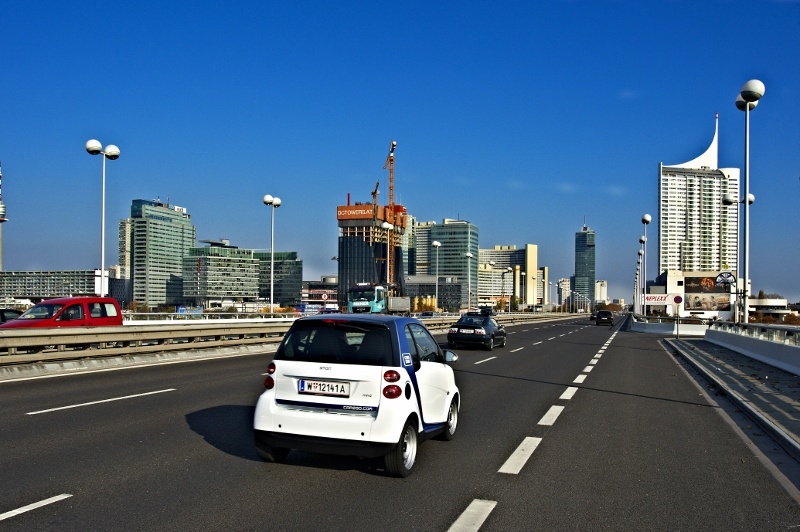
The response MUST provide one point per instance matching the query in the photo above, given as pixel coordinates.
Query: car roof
(68, 300)
(381, 319)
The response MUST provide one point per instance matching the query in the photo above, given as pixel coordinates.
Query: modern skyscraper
(696, 232)
(160, 235)
(458, 237)
(585, 267)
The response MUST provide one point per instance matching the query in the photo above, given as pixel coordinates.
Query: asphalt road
(571, 426)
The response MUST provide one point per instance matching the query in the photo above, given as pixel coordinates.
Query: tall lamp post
(388, 227)
(640, 295)
(436, 244)
(469, 255)
(550, 295)
(273, 203)
(751, 92)
(646, 219)
(111, 152)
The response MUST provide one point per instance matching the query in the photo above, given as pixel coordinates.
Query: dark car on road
(477, 328)
(604, 317)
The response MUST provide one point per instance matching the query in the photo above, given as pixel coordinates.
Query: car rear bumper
(468, 339)
(316, 444)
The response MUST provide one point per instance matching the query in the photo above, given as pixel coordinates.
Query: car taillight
(391, 376)
(480, 332)
(453, 329)
(269, 382)
(392, 391)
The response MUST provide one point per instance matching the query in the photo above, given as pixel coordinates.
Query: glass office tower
(585, 267)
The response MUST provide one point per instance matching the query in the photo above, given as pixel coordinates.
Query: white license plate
(341, 389)
(466, 331)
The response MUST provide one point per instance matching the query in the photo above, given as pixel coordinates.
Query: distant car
(593, 316)
(429, 314)
(604, 317)
(8, 314)
(366, 385)
(69, 312)
(477, 328)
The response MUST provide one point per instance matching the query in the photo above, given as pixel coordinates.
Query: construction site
(369, 238)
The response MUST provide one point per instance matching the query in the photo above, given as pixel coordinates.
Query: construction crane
(389, 213)
(375, 193)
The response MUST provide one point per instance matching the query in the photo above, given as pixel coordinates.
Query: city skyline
(524, 120)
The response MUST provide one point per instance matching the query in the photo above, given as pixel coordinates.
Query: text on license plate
(466, 331)
(324, 388)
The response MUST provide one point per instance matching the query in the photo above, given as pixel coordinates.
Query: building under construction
(369, 236)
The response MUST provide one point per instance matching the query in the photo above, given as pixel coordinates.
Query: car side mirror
(417, 364)
(450, 357)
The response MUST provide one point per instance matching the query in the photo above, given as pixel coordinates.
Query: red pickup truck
(70, 312)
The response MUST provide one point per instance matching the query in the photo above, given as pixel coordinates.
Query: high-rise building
(525, 279)
(159, 235)
(696, 232)
(458, 237)
(425, 254)
(585, 266)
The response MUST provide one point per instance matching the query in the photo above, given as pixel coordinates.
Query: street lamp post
(646, 219)
(751, 92)
(273, 203)
(640, 294)
(550, 295)
(437, 245)
(111, 152)
(469, 255)
(388, 227)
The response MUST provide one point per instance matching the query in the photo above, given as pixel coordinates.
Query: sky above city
(527, 119)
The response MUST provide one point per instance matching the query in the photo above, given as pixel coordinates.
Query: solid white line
(484, 360)
(474, 516)
(588, 369)
(580, 378)
(519, 457)
(550, 417)
(98, 402)
(569, 393)
(537, 343)
(34, 506)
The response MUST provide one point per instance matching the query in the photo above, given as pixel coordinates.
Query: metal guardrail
(36, 345)
(779, 334)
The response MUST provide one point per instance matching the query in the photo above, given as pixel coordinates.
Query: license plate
(466, 331)
(341, 389)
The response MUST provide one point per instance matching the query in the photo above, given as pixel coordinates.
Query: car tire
(402, 457)
(271, 454)
(452, 421)
(503, 344)
(490, 345)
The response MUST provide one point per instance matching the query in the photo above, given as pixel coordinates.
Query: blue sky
(521, 117)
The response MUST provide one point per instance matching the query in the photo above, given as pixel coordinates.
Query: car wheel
(503, 344)
(271, 454)
(490, 344)
(402, 457)
(452, 421)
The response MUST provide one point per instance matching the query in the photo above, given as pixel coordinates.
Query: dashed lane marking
(569, 393)
(34, 506)
(518, 458)
(98, 402)
(473, 517)
(551, 416)
(484, 360)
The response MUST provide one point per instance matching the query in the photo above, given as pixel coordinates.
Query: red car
(70, 312)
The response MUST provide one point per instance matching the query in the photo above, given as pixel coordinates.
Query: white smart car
(360, 385)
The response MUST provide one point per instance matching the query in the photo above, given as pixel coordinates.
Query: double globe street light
(273, 203)
(111, 152)
(436, 244)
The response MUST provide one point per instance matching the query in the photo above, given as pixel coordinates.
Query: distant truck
(373, 299)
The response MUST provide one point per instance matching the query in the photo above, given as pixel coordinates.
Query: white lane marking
(519, 457)
(553, 338)
(550, 417)
(484, 360)
(598, 355)
(537, 343)
(512, 332)
(34, 506)
(98, 402)
(588, 369)
(517, 349)
(580, 378)
(474, 516)
(569, 393)
(593, 361)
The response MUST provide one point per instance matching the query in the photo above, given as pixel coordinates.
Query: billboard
(703, 293)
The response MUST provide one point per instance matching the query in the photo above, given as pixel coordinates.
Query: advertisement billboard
(703, 293)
